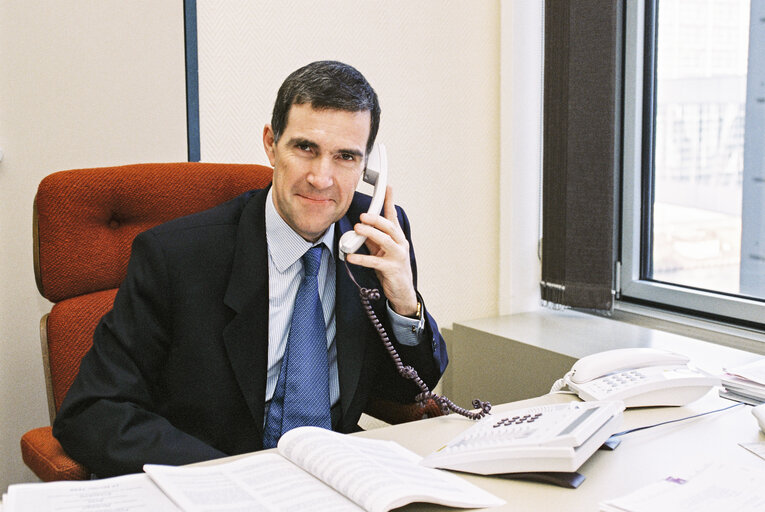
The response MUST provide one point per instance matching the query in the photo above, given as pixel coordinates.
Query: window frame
(639, 66)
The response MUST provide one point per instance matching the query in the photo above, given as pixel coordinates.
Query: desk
(641, 458)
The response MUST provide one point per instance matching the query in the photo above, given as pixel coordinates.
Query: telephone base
(569, 480)
(556, 438)
(559, 478)
(653, 386)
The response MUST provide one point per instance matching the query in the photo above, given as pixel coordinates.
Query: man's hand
(388, 256)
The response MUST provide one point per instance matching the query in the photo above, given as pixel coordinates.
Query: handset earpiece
(375, 173)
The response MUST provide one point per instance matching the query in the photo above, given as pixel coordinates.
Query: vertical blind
(581, 151)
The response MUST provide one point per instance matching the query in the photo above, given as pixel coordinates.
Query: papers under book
(314, 469)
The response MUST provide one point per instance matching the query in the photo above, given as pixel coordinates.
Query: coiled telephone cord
(446, 405)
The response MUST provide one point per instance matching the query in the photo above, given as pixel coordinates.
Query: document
(314, 469)
(131, 493)
(753, 372)
(717, 487)
(756, 448)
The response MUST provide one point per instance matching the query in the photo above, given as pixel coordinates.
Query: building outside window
(694, 176)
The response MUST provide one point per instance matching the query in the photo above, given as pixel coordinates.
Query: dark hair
(326, 85)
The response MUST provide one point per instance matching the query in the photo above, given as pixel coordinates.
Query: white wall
(82, 84)
(435, 65)
(102, 83)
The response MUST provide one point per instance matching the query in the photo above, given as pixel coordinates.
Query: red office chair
(84, 224)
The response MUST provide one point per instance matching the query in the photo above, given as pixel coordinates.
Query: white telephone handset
(611, 361)
(640, 377)
(376, 173)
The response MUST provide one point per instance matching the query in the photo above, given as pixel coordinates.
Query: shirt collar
(284, 245)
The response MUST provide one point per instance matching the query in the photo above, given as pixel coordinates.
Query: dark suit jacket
(177, 372)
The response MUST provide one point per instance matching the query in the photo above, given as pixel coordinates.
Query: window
(693, 215)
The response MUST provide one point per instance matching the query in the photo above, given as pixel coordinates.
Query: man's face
(317, 164)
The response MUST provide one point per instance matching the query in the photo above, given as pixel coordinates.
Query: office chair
(84, 224)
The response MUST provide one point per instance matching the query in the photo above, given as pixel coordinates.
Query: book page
(378, 475)
(129, 493)
(264, 481)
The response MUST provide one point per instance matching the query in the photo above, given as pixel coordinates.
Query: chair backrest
(84, 224)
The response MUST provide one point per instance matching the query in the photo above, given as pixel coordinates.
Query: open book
(315, 469)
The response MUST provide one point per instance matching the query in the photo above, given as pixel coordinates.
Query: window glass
(707, 200)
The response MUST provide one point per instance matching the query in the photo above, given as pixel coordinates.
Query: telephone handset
(610, 361)
(640, 377)
(376, 174)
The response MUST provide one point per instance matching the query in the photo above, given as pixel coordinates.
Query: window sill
(719, 333)
(514, 357)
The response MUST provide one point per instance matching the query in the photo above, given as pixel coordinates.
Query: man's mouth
(315, 200)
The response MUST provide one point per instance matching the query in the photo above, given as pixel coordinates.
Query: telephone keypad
(526, 428)
(518, 420)
(616, 381)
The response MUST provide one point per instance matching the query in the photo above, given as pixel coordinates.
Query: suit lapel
(246, 336)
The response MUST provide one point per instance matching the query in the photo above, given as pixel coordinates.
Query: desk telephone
(376, 174)
(640, 377)
(549, 438)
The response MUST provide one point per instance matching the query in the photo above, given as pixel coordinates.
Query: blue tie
(302, 390)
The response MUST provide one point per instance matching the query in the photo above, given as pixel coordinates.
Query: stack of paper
(745, 383)
(718, 487)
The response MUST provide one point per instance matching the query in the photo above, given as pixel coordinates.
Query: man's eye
(304, 147)
(348, 157)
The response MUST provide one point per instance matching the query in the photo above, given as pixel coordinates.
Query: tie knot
(312, 260)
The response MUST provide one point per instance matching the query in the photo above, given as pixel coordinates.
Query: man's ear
(269, 144)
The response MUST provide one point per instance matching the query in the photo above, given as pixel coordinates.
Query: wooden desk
(641, 458)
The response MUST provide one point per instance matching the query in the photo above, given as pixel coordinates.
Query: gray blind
(581, 155)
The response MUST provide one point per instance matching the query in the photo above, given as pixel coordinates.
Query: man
(193, 362)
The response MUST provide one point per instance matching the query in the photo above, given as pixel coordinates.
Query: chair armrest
(43, 454)
(395, 413)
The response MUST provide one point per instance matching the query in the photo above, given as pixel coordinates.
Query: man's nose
(321, 175)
